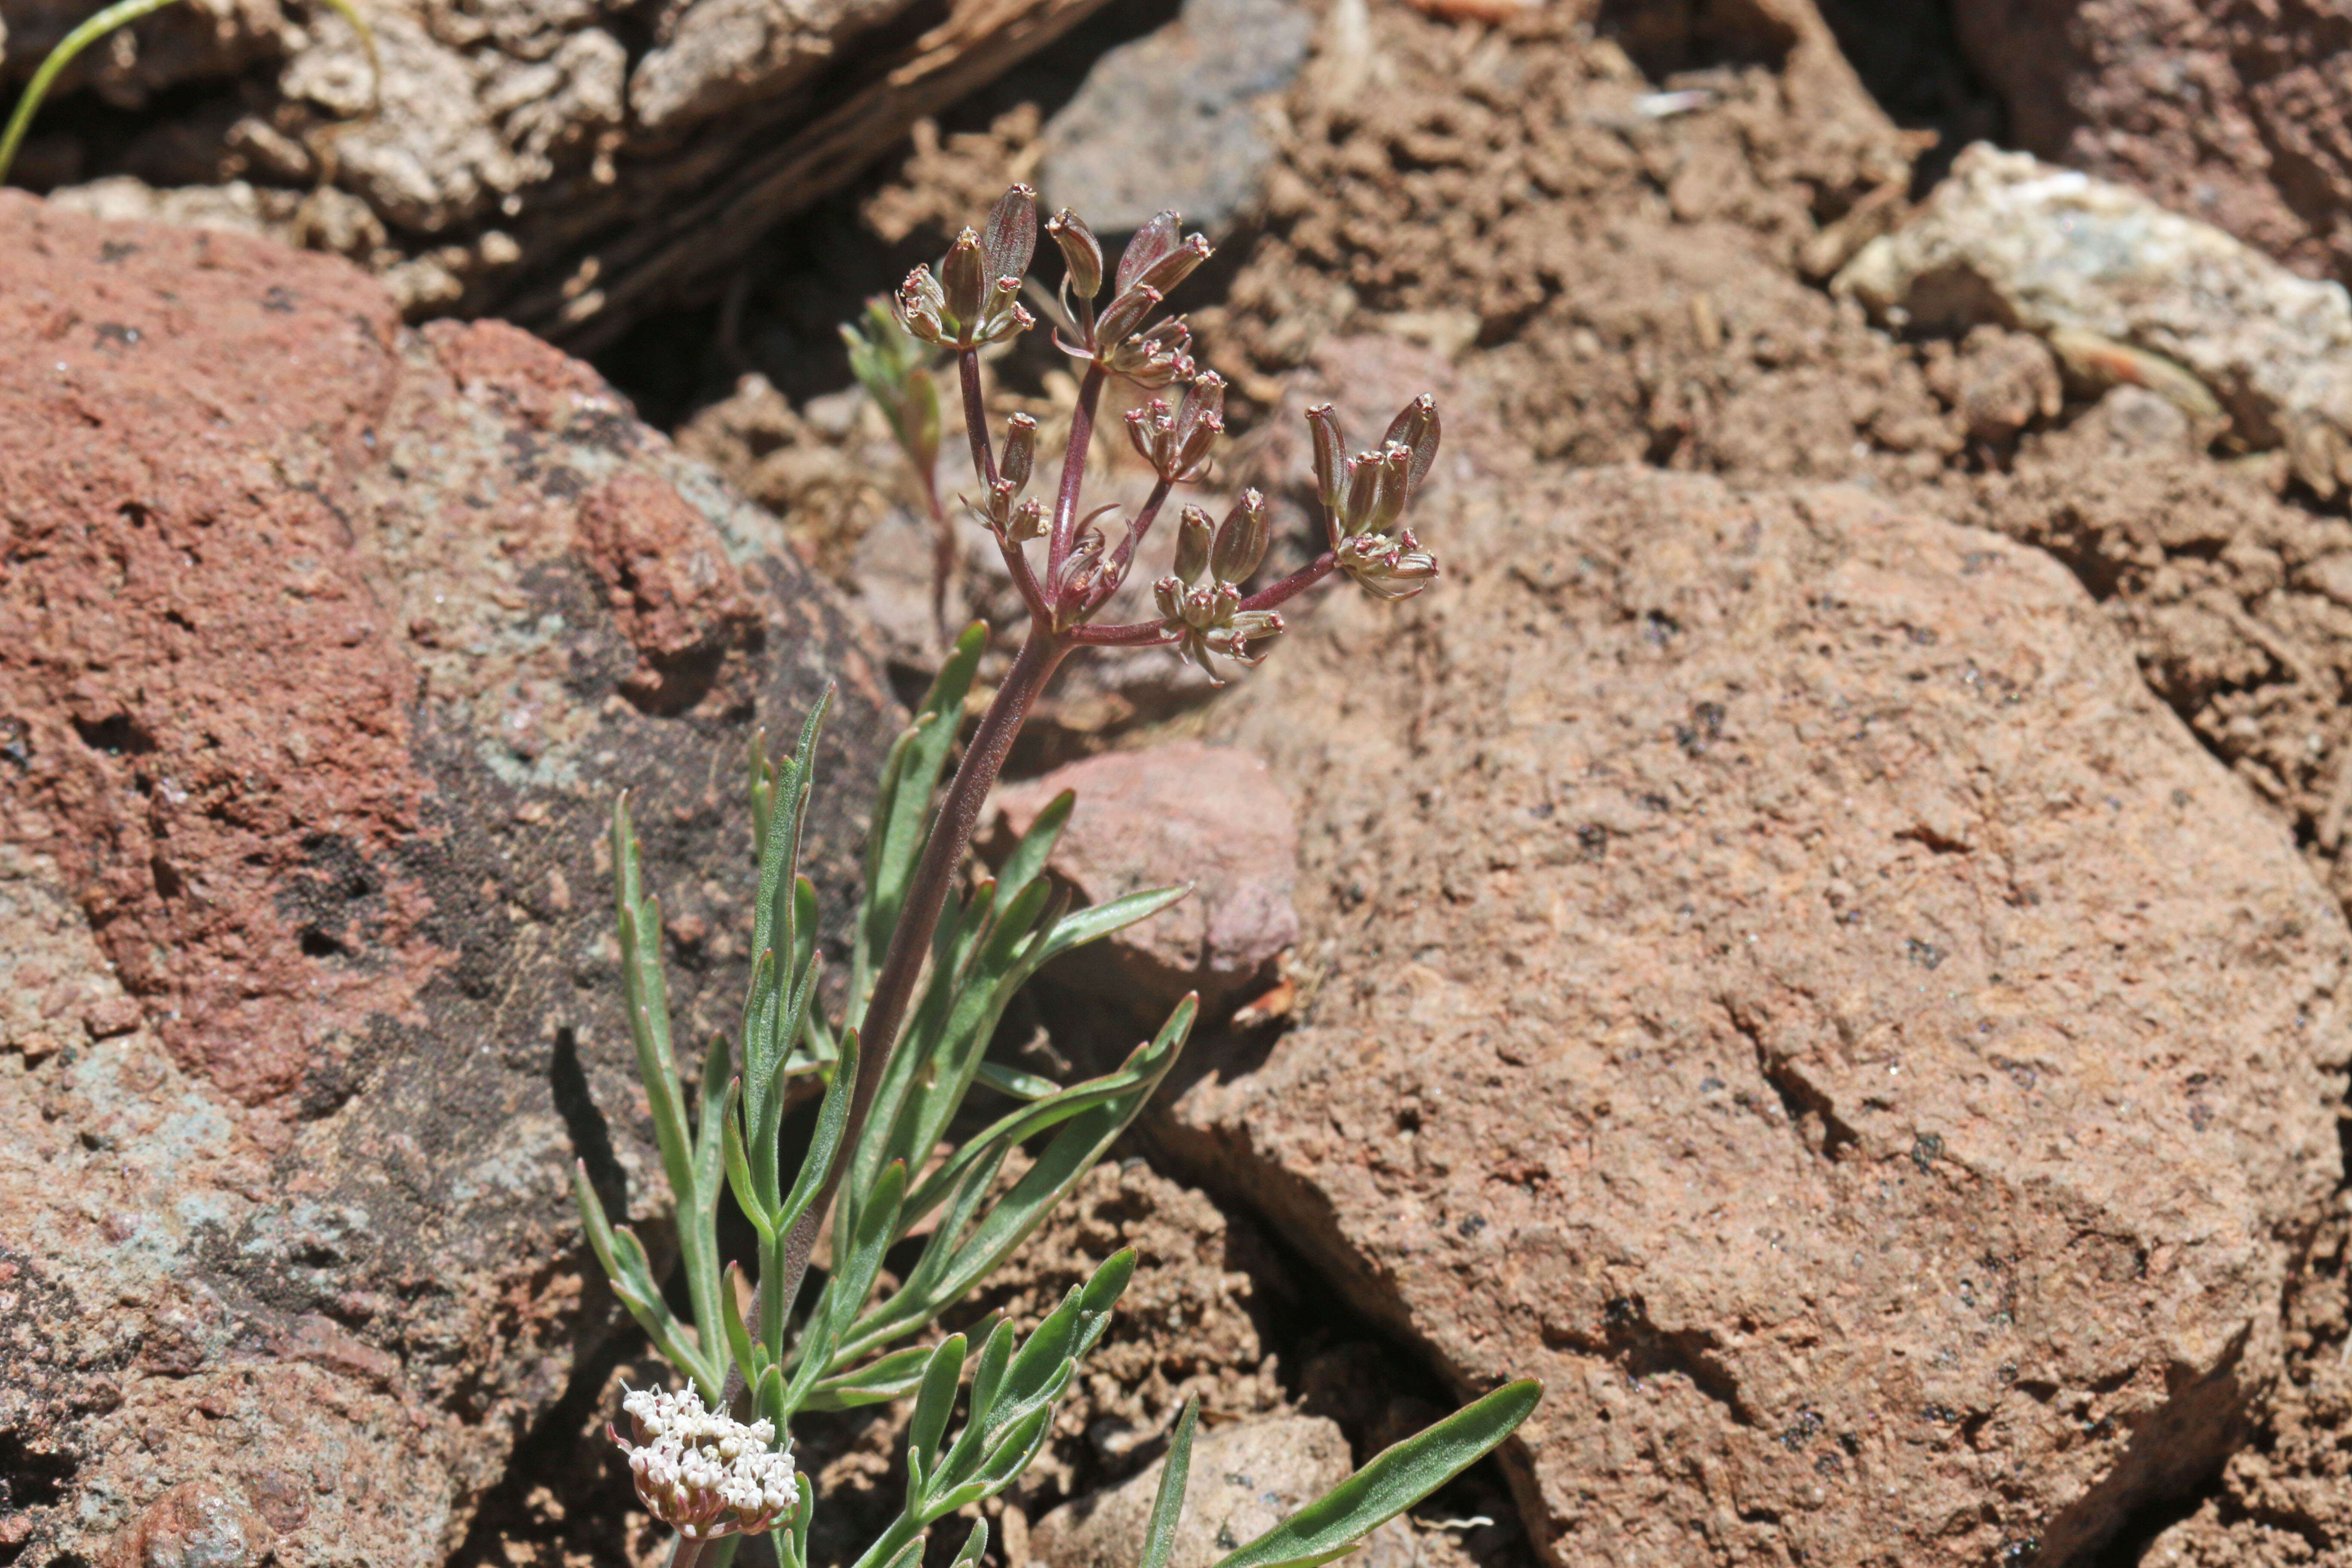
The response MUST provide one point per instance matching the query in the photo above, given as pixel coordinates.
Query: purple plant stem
(1290, 587)
(894, 986)
(1074, 472)
(975, 418)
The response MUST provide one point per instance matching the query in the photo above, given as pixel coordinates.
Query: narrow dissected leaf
(902, 808)
(856, 1265)
(738, 1337)
(1080, 927)
(739, 1178)
(973, 1546)
(1175, 1473)
(893, 1376)
(1036, 846)
(1394, 1480)
(832, 1117)
(987, 1381)
(934, 1403)
(1013, 1082)
(626, 1265)
(952, 1262)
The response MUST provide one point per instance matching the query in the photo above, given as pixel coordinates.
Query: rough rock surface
(325, 646)
(1211, 816)
(2235, 112)
(567, 163)
(1780, 978)
(2110, 277)
(1176, 119)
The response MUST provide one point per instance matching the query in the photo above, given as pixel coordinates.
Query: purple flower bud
(1125, 312)
(1155, 239)
(1020, 451)
(1416, 429)
(1330, 457)
(965, 276)
(1240, 543)
(1028, 521)
(1012, 234)
(1081, 253)
(1173, 266)
(1194, 536)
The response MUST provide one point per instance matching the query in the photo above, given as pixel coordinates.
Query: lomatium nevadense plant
(933, 963)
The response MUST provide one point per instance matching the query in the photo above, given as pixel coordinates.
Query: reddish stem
(1074, 472)
(1126, 550)
(1290, 587)
(1142, 634)
(975, 419)
(894, 987)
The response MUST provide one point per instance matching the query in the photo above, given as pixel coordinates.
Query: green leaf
(738, 1337)
(624, 1264)
(1396, 1479)
(902, 808)
(987, 1380)
(1013, 1082)
(739, 1178)
(853, 1281)
(1168, 1506)
(973, 1545)
(933, 1406)
(1036, 846)
(893, 1376)
(1098, 920)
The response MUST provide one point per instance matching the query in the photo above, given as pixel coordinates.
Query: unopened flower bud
(1012, 238)
(1240, 543)
(1028, 521)
(1200, 420)
(1019, 450)
(1081, 253)
(1173, 266)
(1126, 314)
(1193, 537)
(1155, 358)
(964, 276)
(1416, 429)
(1155, 239)
(1330, 456)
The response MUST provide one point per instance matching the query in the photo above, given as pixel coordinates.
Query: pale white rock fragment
(2125, 290)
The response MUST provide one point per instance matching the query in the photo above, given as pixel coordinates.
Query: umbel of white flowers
(702, 1472)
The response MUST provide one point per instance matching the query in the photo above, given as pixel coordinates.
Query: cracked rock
(1774, 973)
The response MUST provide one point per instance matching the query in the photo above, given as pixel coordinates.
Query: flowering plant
(934, 963)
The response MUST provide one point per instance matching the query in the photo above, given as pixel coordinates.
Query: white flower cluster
(704, 1473)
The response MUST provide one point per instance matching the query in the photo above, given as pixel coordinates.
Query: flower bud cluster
(703, 1473)
(1176, 442)
(1365, 496)
(1155, 262)
(976, 298)
(1006, 514)
(1203, 616)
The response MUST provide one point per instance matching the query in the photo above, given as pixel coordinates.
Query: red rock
(325, 648)
(1211, 816)
(1783, 981)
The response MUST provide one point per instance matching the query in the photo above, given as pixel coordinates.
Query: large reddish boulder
(324, 648)
(1783, 981)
